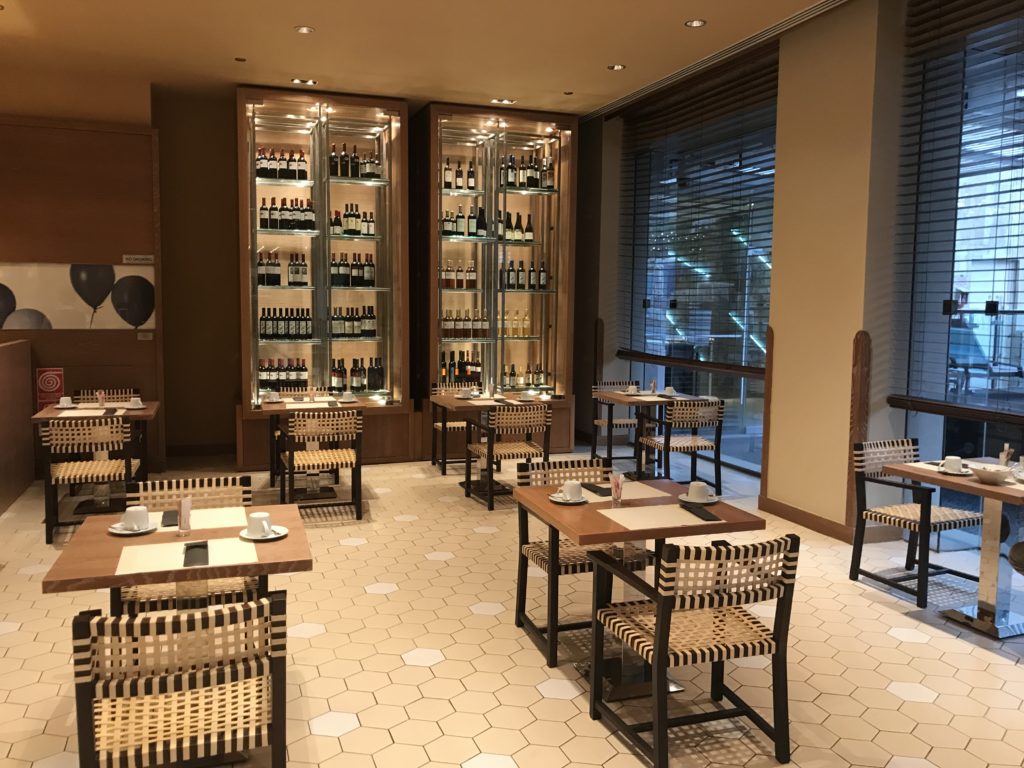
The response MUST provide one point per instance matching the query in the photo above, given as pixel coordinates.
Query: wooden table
(139, 419)
(584, 525)
(992, 613)
(90, 560)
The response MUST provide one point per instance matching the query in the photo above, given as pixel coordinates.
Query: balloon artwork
(7, 303)
(134, 299)
(27, 320)
(92, 283)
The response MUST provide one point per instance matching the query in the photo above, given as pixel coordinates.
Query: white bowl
(991, 474)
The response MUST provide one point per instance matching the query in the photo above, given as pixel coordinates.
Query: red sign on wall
(49, 386)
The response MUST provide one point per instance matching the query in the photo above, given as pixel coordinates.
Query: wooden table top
(929, 473)
(460, 405)
(583, 526)
(640, 398)
(146, 413)
(90, 559)
(281, 408)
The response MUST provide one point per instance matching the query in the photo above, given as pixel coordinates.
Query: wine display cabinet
(498, 251)
(322, 219)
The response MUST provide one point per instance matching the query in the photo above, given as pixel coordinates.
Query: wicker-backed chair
(120, 395)
(609, 422)
(206, 493)
(919, 518)
(525, 422)
(692, 416)
(172, 689)
(695, 614)
(70, 448)
(443, 425)
(287, 392)
(325, 440)
(555, 556)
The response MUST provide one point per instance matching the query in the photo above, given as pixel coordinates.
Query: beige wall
(67, 95)
(834, 176)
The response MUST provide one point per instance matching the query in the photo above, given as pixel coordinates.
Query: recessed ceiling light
(241, 59)
(696, 23)
(304, 30)
(616, 67)
(303, 81)
(503, 101)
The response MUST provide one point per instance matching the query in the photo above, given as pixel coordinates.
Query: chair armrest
(604, 561)
(903, 486)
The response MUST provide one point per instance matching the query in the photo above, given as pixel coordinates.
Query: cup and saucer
(954, 465)
(135, 404)
(134, 522)
(66, 403)
(669, 392)
(571, 494)
(272, 398)
(260, 529)
(699, 493)
(347, 397)
(632, 391)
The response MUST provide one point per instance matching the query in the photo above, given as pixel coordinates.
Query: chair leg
(357, 489)
(433, 446)
(858, 546)
(553, 564)
(521, 575)
(718, 468)
(693, 466)
(666, 464)
(596, 663)
(659, 730)
(780, 705)
(50, 499)
(470, 461)
(911, 551)
(923, 541)
(717, 680)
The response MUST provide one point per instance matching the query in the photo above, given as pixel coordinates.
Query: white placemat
(648, 398)
(304, 406)
(629, 491)
(660, 516)
(215, 517)
(143, 558)
(85, 413)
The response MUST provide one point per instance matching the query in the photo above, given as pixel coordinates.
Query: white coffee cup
(670, 390)
(348, 397)
(631, 389)
(259, 525)
(273, 397)
(135, 402)
(65, 402)
(698, 491)
(952, 464)
(135, 519)
(572, 491)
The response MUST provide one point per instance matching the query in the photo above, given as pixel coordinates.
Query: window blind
(698, 180)
(959, 262)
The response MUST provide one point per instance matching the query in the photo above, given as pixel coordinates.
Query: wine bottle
(499, 223)
(521, 277)
(343, 164)
(442, 372)
(369, 272)
(261, 269)
(372, 229)
(459, 277)
(517, 230)
(272, 164)
(447, 173)
(459, 182)
(508, 231)
(471, 273)
(471, 177)
(533, 173)
(481, 223)
(542, 277)
(333, 161)
(293, 165)
(275, 214)
(510, 277)
(261, 163)
(301, 167)
(532, 277)
(460, 222)
(353, 163)
(344, 272)
(364, 225)
(528, 232)
(511, 170)
(264, 215)
(521, 178)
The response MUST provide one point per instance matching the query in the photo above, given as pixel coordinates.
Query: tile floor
(403, 653)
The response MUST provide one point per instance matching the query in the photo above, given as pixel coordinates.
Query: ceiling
(532, 50)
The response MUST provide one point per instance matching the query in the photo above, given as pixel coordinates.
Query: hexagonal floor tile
(907, 635)
(306, 630)
(353, 541)
(485, 529)
(559, 689)
(9, 626)
(439, 556)
(484, 760)
(406, 518)
(487, 609)
(333, 724)
(381, 588)
(423, 657)
(912, 692)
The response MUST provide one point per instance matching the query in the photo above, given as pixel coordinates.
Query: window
(696, 239)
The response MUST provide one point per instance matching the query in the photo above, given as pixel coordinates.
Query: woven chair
(173, 689)
(122, 395)
(443, 425)
(324, 441)
(70, 446)
(696, 614)
(520, 421)
(287, 392)
(206, 493)
(556, 556)
(692, 416)
(609, 422)
(919, 518)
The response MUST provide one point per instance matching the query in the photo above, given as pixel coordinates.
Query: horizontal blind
(698, 181)
(959, 325)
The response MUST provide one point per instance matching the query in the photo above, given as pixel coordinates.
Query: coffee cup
(273, 397)
(135, 402)
(698, 492)
(952, 464)
(348, 397)
(631, 389)
(135, 519)
(670, 390)
(259, 525)
(65, 402)
(572, 491)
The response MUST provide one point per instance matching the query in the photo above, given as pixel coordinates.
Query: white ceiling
(531, 50)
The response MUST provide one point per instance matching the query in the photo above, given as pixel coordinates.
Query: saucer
(64, 407)
(117, 530)
(559, 499)
(352, 399)
(131, 407)
(711, 499)
(279, 532)
(965, 472)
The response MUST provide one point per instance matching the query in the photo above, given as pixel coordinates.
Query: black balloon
(27, 320)
(133, 298)
(92, 282)
(7, 303)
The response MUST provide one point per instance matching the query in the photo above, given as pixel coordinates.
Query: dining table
(992, 613)
(95, 558)
(649, 510)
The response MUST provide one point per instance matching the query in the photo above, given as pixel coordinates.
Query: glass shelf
(359, 182)
(288, 341)
(367, 288)
(462, 290)
(520, 243)
(286, 287)
(527, 191)
(446, 340)
(467, 239)
(263, 181)
(527, 291)
(289, 232)
(462, 192)
(355, 237)
(520, 338)
(358, 339)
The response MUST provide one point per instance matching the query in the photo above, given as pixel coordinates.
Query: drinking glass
(616, 481)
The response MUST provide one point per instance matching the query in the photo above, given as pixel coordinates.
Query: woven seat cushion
(695, 637)
(615, 422)
(679, 443)
(452, 426)
(184, 595)
(307, 461)
(908, 517)
(96, 471)
(510, 450)
(572, 558)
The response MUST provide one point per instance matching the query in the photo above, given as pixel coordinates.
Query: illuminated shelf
(264, 342)
(289, 232)
(462, 192)
(263, 181)
(527, 191)
(355, 237)
(359, 182)
(467, 239)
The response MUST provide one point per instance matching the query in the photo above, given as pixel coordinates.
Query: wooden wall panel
(16, 447)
